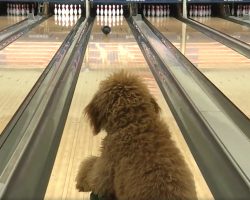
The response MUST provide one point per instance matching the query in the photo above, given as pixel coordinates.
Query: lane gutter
(224, 181)
(12, 34)
(27, 172)
(235, 44)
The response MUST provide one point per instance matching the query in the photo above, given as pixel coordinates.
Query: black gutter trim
(228, 106)
(236, 21)
(222, 178)
(17, 34)
(237, 45)
(13, 26)
(8, 139)
(31, 176)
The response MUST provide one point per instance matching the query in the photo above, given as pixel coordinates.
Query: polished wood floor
(227, 69)
(6, 21)
(77, 141)
(237, 31)
(22, 62)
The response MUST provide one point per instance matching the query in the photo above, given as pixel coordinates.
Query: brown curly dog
(139, 160)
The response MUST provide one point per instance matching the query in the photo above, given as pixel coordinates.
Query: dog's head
(118, 101)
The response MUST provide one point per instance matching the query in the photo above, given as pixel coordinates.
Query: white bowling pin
(157, 11)
(63, 9)
(97, 10)
(22, 10)
(71, 10)
(161, 10)
(101, 11)
(33, 9)
(59, 11)
(113, 11)
(121, 11)
(55, 9)
(105, 10)
(149, 11)
(8, 9)
(168, 11)
(117, 10)
(79, 9)
(191, 11)
(17, 9)
(164, 10)
(195, 11)
(153, 11)
(67, 10)
(110, 10)
(75, 9)
(144, 10)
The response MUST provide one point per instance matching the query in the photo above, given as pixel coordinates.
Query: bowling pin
(79, 10)
(149, 10)
(117, 10)
(75, 9)
(110, 10)
(71, 11)
(97, 10)
(105, 11)
(168, 11)
(191, 11)
(22, 10)
(113, 11)
(157, 11)
(67, 9)
(8, 9)
(153, 11)
(55, 9)
(121, 11)
(101, 11)
(144, 10)
(161, 10)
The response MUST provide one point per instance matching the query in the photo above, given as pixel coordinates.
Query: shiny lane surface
(22, 62)
(227, 69)
(6, 21)
(104, 55)
(235, 30)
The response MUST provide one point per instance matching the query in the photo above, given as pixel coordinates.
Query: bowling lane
(104, 55)
(6, 21)
(235, 30)
(227, 69)
(22, 62)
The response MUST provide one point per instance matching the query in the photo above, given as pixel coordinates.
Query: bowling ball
(106, 30)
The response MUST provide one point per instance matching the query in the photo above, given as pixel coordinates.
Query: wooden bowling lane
(6, 21)
(22, 62)
(77, 140)
(227, 69)
(232, 29)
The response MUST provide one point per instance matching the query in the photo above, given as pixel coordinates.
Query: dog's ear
(95, 114)
(155, 104)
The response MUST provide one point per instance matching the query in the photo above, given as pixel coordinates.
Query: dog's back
(148, 165)
(141, 160)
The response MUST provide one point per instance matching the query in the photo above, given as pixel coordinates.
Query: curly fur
(139, 160)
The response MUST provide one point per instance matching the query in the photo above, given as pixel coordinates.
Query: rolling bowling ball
(106, 30)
